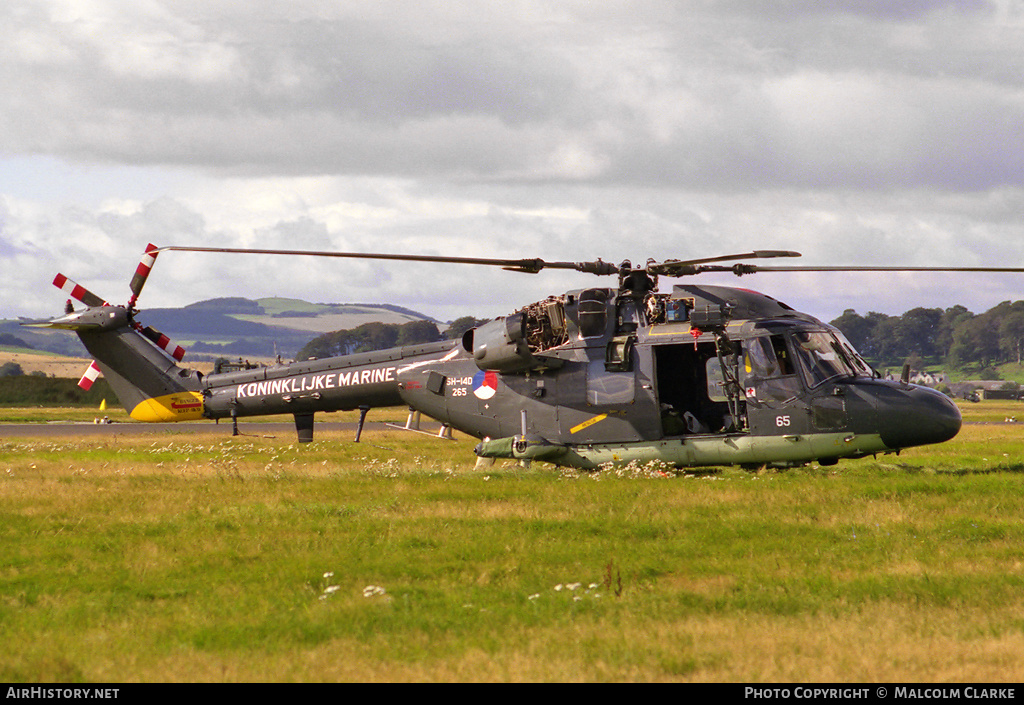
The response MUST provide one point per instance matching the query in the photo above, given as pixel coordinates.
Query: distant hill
(234, 327)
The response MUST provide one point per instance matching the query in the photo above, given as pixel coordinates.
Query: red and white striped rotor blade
(163, 342)
(89, 377)
(77, 291)
(142, 272)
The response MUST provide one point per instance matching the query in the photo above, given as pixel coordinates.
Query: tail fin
(150, 386)
(148, 383)
(136, 360)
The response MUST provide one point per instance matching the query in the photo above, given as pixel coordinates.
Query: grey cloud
(570, 131)
(875, 9)
(158, 221)
(683, 95)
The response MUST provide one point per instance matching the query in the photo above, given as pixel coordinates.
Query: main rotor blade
(676, 268)
(753, 269)
(680, 268)
(528, 266)
(756, 254)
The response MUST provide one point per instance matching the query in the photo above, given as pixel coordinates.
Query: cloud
(852, 228)
(806, 94)
(857, 132)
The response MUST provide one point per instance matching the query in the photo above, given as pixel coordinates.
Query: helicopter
(700, 376)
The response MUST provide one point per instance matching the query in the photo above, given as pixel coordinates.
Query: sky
(857, 132)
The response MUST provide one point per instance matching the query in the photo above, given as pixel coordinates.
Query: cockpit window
(760, 359)
(824, 356)
(766, 357)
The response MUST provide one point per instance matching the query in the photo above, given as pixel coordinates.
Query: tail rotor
(142, 273)
(80, 293)
(162, 341)
(90, 376)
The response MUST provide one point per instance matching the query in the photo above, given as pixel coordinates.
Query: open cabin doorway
(691, 390)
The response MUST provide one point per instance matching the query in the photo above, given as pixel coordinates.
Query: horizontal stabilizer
(103, 318)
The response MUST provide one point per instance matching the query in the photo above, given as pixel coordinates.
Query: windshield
(858, 363)
(825, 355)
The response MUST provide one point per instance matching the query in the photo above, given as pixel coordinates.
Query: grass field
(208, 558)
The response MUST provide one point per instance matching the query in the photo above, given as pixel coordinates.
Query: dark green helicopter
(701, 376)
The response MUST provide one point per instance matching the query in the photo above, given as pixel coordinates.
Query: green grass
(116, 414)
(27, 351)
(208, 558)
(1011, 371)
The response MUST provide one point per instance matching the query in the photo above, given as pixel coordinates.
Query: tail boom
(153, 388)
(332, 384)
(148, 383)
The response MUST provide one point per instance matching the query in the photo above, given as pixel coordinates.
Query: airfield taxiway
(64, 429)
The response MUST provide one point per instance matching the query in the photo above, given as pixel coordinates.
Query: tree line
(39, 390)
(954, 337)
(380, 336)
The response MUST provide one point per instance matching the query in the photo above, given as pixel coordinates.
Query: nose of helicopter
(917, 416)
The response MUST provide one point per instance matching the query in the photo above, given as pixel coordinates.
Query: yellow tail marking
(183, 406)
